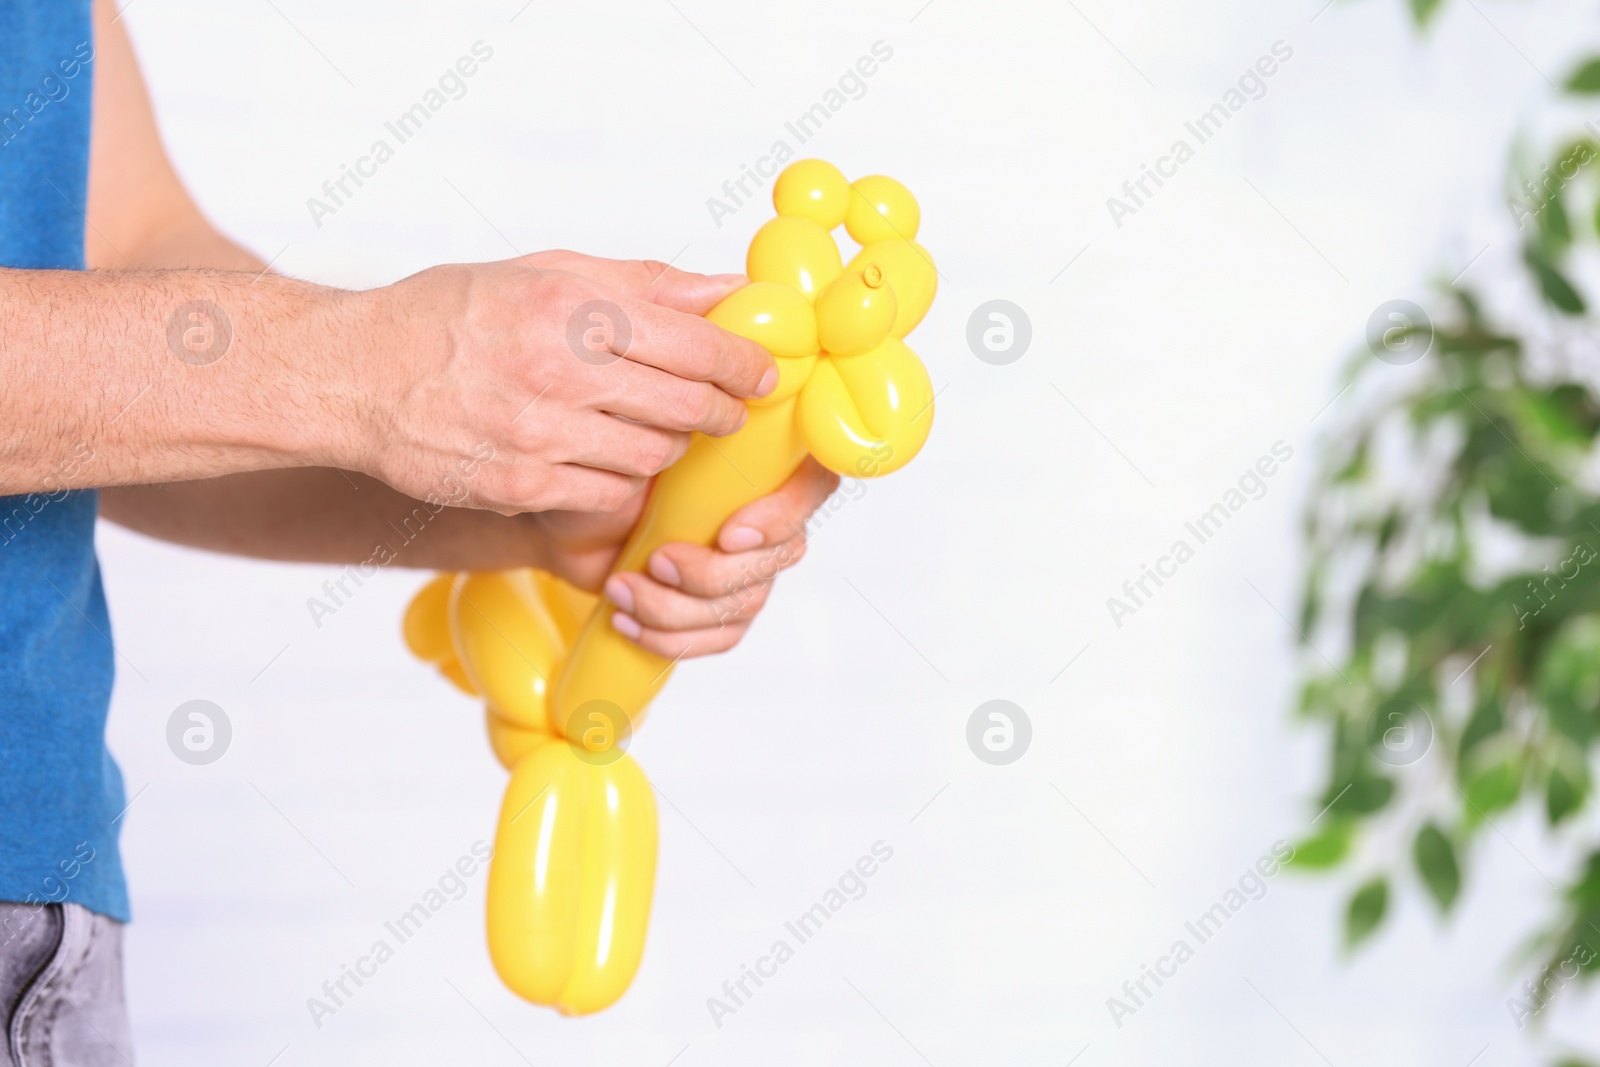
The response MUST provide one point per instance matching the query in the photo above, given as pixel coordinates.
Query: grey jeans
(61, 988)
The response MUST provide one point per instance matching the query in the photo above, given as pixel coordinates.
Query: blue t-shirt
(61, 796)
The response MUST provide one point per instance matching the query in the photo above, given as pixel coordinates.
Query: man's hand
(581, 377)
(449, 359)
(182, 358)
(173, 375)
(695, 600)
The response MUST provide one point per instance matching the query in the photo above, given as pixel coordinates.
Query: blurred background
(1171, 346)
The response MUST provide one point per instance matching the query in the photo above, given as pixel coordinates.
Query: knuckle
(756, 597)
(791, 552)
(678, 445)
(693, 562)
(650, 271)
(741, 594)
(617, 492)
(743, 362)
(526, 435)
(656, 453)
(725, 637)
(695, 403)
(660, 644)
(526, 488)
(696, 353)
(724, 414)
(550, 259)
(714, 411)
(564, 290)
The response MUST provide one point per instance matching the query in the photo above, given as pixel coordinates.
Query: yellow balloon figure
(574, 864)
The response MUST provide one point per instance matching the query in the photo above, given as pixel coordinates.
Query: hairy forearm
(304, 514)
(320, 515)
(172, 375)
(308, 514)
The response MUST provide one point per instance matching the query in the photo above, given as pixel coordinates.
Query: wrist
(357, 337)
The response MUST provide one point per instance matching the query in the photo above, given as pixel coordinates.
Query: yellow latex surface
(796, 252)
(427, 631)
(507, 642)
(570, 883)
(574, 866)
(910, 271)
(855, 312)
(813, 189)
(881, 208)
(729, 471)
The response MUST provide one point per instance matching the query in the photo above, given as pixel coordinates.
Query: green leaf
(1356, 468)
(1552, 283)
(1563, 796)
(1487, 720)
(1554, 226)
(1518, 489)
(1564, 415)
(1436, 862)
(1585, 892)
(1424, 10)
(1568, 678)
(1361, 795)
(1586, 79)
(1325, 849)
(1493, 789)
(1366, 911)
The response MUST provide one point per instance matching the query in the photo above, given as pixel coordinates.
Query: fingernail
(626, 625)
(730, 279)
(618, 593)
(769, 382)
(664, 570)
(742, 539)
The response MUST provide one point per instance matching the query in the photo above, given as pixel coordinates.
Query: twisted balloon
(574, 866)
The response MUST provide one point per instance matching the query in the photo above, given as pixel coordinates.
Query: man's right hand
(146, 370)
(555, 381)
(581, 377)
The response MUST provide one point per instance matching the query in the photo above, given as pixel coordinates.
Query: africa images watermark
(851, 85)
(56, 890)
(1251, 886)
(1252, 85)
(450, 886)
(1203, 528)
(851, 885)
(452, 493)
(57, 484)
(451, 85)
(53, 88)
(1549, 185)
(1542, 595)
(1551, 980)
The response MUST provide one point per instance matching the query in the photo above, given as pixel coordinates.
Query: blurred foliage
(1453, 561)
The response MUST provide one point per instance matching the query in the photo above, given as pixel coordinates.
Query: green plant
(1453, 566)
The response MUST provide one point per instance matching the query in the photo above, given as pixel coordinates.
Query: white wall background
(1203, 330)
